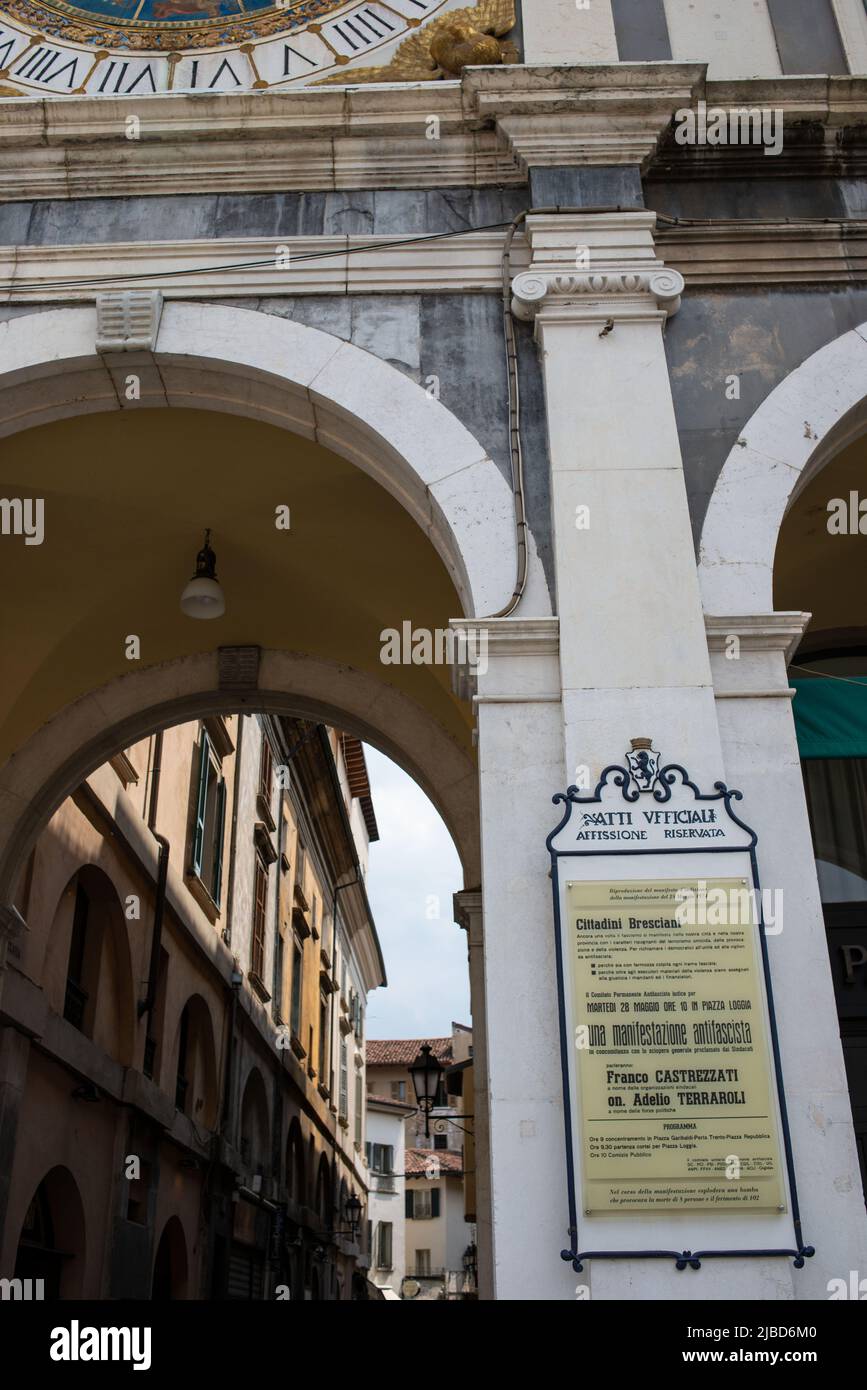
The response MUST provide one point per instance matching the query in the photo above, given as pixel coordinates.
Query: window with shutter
(266, 771)
(421, 1205)
(323, 1039)
(216, 885)
(206, 856)
(435, 1202)
(295, 1019)
(383, 1251)
(257, 962)
(344, 1079)
(201, 798)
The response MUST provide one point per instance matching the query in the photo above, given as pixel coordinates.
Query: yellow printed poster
(677, 1099)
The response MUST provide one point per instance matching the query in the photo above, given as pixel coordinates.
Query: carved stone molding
(511, 660)
(585, 114)
(595, 265)
(532, 289)
(760, 632)
(128, 320)
(468, 913)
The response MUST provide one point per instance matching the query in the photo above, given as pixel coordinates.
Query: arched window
(295, 1172)
(51, 1245)
(323, 1192)
(196, 1071)
(170, 1264)
(255, 1141)
(91, 985)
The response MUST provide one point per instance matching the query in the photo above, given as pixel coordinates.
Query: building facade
(186, 1012)
(544, 327)
(386, 1162)
(438, 1236)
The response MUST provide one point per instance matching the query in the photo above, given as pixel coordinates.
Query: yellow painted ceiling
(817, 572)
(127, 497)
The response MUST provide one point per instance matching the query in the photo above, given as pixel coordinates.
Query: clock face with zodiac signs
(143, 47)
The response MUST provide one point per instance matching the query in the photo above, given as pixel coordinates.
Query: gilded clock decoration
(471, 37)
(143, 47)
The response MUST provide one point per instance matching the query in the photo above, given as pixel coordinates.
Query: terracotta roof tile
(400, 1052)
(418, 1159)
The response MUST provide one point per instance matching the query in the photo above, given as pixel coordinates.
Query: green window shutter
(201, 802)
(409, 1211)
(219, 830)
(435, 1201)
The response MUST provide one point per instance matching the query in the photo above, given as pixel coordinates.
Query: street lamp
(352, 1209)
(203, 597)
(426, 1072)
(353, 1213)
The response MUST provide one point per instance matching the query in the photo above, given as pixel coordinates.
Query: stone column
(749, 657)
(468, 914)
(520, 768)
(633, 650)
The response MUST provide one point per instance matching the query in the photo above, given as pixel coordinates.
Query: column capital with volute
(595, 266)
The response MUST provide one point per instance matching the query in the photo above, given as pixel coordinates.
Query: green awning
(831, 716)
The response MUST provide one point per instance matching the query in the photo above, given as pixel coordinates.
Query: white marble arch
(815, 411)
(215, 357)
(83, 735)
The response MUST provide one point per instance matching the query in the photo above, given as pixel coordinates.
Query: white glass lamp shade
(203, 598)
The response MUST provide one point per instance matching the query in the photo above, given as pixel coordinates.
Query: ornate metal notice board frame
(640, 786)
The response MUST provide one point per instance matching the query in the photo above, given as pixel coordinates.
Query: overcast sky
(414, 870)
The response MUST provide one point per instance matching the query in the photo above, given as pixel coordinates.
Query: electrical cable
(829, 675)
(96, 281)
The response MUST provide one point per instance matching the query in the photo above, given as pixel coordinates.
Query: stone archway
(813, 413)
(349, 403)
(303, 380)
(171, 1263)
(90, 730)
(271, 369)
(52, 1244)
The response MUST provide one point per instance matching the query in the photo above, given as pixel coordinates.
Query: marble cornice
(493, 125)
(757, 632)
(705, 256)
